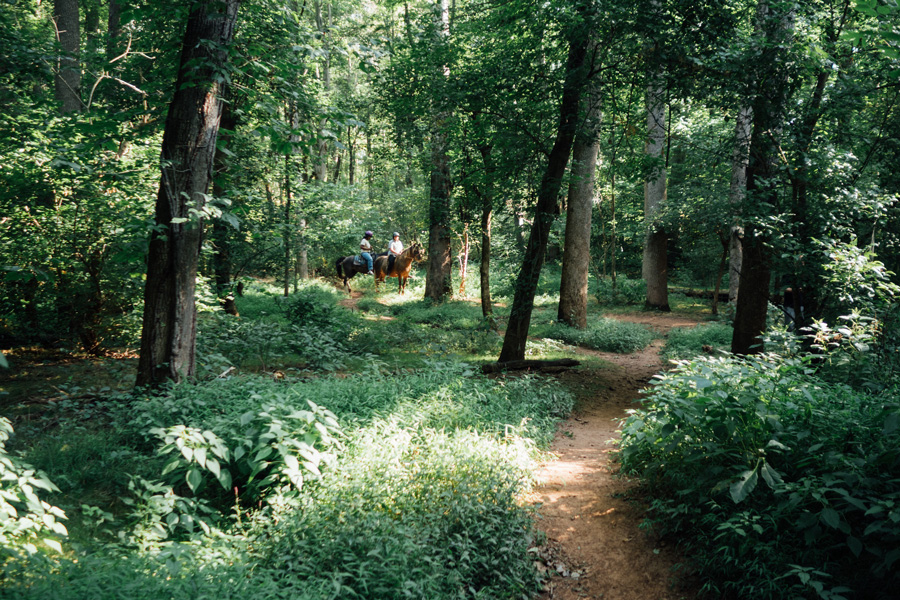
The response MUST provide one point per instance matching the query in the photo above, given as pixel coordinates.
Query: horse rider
(365, 247)
(394, 251)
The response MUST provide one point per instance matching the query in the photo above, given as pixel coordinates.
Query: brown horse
(401, 267)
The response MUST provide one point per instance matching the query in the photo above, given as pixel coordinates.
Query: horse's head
(417, 251)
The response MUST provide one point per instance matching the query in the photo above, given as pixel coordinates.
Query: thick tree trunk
(762, 177)
(68, 74)
(573, 287)
(736, 191)
(438, 279)
(170, 320)
(523, 302)
(114, 29)
(655, 269)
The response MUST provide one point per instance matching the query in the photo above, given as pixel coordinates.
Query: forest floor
(596, 547)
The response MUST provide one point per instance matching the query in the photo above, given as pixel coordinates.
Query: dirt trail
(595, 547)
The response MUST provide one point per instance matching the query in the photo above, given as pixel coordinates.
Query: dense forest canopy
(159, 158)
(336, 116)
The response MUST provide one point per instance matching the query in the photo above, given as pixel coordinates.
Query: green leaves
(23, 515)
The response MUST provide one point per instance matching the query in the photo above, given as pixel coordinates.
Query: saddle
(358, 260)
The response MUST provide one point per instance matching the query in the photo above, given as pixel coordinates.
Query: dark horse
(401, 267)
(347, 268)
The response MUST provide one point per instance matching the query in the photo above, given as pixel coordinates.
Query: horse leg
(401, 282)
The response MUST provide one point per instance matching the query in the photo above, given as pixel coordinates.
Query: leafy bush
(23, 515)
(420, 513)
(248, 438)
(626, 291)
(825, 523)
(608, 335)
(687, 342)
(308, 328)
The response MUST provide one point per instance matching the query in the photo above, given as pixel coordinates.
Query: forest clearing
(488, 299)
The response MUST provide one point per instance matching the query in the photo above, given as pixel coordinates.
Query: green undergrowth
(369, 485)
(686, 342)
(778, 483)
(605, 334)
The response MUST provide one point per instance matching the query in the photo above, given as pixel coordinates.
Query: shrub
(687, 342)
(625, 291)
(608, 335)
(780, 484)
(24, 517)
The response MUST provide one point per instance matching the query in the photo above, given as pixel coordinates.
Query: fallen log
(537, 365)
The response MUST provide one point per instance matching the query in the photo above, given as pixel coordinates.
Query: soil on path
(595, 546)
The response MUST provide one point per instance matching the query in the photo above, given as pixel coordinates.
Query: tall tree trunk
(323, 23)
(438, 279)
(573, 288)
(286, 232)
(487, 216)
(170, 321)
(114, 29)
(736, 191)
(221, 234)
(68, 75)
(655, 269)
(526, 286)
(762, 176)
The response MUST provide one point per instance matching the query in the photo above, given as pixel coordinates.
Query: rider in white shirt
(394, 250)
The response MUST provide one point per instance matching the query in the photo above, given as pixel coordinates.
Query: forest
(199, 401)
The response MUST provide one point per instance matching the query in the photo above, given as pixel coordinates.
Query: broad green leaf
(742, 488)
(830, 517)
(194, 478)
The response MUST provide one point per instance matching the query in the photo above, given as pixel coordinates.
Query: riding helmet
(369, 234)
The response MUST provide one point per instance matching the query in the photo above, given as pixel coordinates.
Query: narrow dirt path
(595, 546)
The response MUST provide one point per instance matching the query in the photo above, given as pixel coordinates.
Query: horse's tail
(337, 265)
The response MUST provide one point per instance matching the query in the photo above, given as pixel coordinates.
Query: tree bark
(68, 75)
(487, 216)
(221, 230)
(523, 301)
(170, 321)
(573, 288)
(736, 191)
(114, 29)
(438, 279)
(655, 269)
(762, 177)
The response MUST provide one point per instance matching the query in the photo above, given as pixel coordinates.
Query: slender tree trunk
(464, 260)
(286, 232)
(487, 216)
(68, 75)
(736, 191)
(323, 23)
(762, 177)
(573, 288)
(221, 234)
(438, 279)
(170, 320)
(655, 268)
(523, 302)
